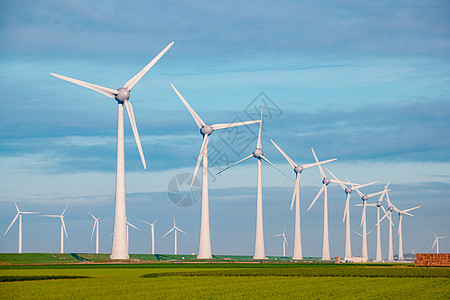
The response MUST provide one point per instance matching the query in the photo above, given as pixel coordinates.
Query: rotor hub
(379, 203)
(258, 153)
(207, 129)
(348, 190)
(122, 95)
(326, 181)
(364, 198)
(298, 169)
(391, 208)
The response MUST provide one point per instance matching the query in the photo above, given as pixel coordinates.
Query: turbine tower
(298, 169)
(436, 241)
(346, 219)
(204, 251)
(379, 256)
(325, 182)
(364, 198)
(258, 154)
(18, 215)
(175, 229)
(152, 225)
(96, 221)
(284, 241)
(63, 226)
(122, 95)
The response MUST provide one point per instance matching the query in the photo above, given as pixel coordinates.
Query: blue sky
(365, 82)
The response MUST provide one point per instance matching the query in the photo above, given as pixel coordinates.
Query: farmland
(221, 280)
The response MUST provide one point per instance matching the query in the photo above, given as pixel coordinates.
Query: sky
(365, 82)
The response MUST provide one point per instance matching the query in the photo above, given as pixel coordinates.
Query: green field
(216, 280)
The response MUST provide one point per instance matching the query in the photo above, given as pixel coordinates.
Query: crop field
(223, 280)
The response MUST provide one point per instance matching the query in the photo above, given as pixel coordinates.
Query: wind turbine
(18, 215)
(284, 241)
(122, 95)
(364, 198)
(298, 169)
(128, 225)
(258, 154)
(348, 191)
(325, 182)
(93, 229)
(389, 215)
(436, 241)
(175, 229)
(204, 251)
(379, 256)
(152, 225)
(63, 226)
(400, 237)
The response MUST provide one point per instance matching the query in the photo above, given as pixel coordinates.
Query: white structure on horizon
(175, 229)
(152, 225)
(325, 182)
(96, 222)
(284, 241)
(258, 154)
(19, 215)
(128, 235)
(122, 95)
(346, 218)
(63, 226)
(298, 169)
(436, 241)
(204, 251)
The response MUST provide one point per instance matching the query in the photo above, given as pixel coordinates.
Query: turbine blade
(317, 196)
(92, 215)
(363, 213)
(129, 224)
(50, 216)
(130, 113)
(322, 173)
(15, 218)
(65, 209)
(145, 222)
(168, 232)
(197, 119)
(347, 203)
(180, 230)
(200, 156)
(230, 125)
(64, 226)
(363, 185)
(306, 166)
(374, 194)
(290, 161)
(155, 221)
(93, 229)
(133, 81)
(264, 158)
(297, 182)
(103, 90)
(245, 158)
(258, 143)
(343, 186)
(357, 233)
(14, 201)
(412, 208)
(434, 244)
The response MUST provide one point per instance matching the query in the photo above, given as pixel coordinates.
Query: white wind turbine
(258, 154)
(284, 241)
(364, 198)
(379, 256)
(388, 214)
(436, 241)
(96, 222)
(18, 215)
(400, 236)
(325, 182)
(298, 169)
(204, 251)
(152, 225)
(63, 226)
(128, 225)
(346, 218)
(175, 229)
(122, 95)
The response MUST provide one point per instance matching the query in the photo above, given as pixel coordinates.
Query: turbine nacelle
(378, 203)
(348, 190)
(326, 181)
(298, 169)
(122, 95)
(364, 198)
(391, 207)
(258, 153)
(206, 129)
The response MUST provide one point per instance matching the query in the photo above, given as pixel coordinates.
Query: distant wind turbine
(284, 241)
(436, 241)
(175, 229)
(348, 190)
(259, 155)
(206, 130)
(18, 215)
(63, 226)
(400, 235)
(122, 95)
(128, 225)
(152, 225)
(298, 169)
(96, 222)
